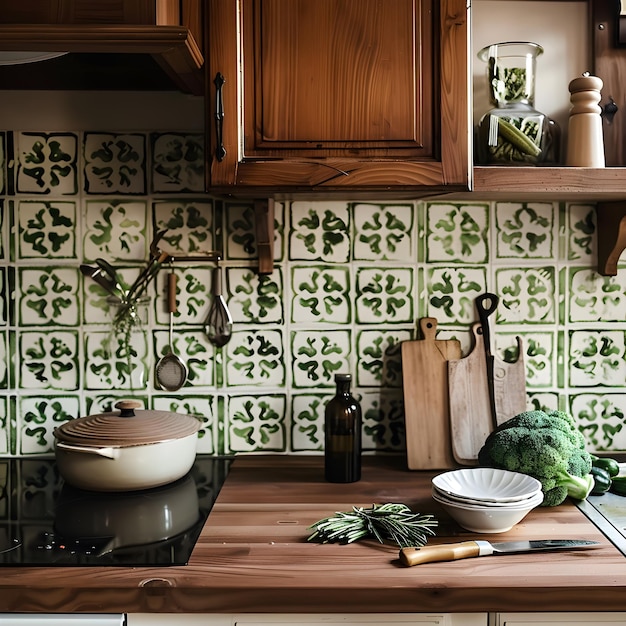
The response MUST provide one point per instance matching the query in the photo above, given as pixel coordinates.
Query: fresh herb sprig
(390, 521)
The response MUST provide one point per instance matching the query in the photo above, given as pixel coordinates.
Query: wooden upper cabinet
(338, 95)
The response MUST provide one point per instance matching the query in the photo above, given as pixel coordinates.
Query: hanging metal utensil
(486, 304)
(100, 278)
(171, 372)
(219, 323)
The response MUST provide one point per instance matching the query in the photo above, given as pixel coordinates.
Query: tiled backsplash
(350, 282)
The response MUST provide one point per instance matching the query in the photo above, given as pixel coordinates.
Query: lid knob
(127, 407)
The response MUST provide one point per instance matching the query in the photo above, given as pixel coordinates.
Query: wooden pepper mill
(585, 144)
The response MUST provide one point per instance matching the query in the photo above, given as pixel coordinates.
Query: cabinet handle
(220, 151)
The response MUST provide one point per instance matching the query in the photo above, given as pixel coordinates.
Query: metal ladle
(219, 323)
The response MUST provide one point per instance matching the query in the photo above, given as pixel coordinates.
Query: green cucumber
(517, 138)
(606, 463)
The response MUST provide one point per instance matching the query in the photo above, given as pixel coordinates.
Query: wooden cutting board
(470, 407)
(509, 385)
(425, 383)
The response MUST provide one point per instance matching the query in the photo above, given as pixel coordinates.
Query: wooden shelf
(561, 183)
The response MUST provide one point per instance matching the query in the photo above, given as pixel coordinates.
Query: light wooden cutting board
(425, 383)
(509, 385)
(470, 407)
(471, 419)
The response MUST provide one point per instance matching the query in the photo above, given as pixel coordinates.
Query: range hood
(102, 44)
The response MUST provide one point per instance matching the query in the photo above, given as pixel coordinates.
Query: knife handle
(443, 552)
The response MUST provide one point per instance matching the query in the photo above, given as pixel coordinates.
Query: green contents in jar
(509, 84)
(514, 138)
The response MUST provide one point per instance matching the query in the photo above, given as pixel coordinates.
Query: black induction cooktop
(44, 521)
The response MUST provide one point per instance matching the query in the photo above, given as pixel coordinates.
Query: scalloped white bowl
(481, 503)
(486, 484)
(487, 518)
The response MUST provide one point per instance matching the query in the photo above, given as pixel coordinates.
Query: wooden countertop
(252, 556)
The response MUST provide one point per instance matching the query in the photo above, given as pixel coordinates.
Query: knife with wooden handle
(467, 549)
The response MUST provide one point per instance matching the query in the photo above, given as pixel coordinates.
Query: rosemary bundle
(394, 522)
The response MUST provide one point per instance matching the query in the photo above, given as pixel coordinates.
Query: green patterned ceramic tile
(320, 231)
(116, 361)
(198, 406)
(49, 296)
(115, 163)
(39, 416)
(597, 358)
(307, 421)
(116, 230)
(5, 361)
(595, 298)
(5, 428)
(241, 242)
(255, 357)
(49, 360)
(601, 417)
(105, 402)
(385, 295)
(255, 299)
(383, 421)
(317, 355)
(46, 163)
(525, 230)
(452, 292)
(457, 233)
(545, 401)
(97, 308)
(47, 229)
(320, 294)
(379, 360)
(189, 225)
(539, 356)
(257, 423)
(193, 293)
(6, 297)
(384, 232)
(527, 295)
(581, 228)
(177, 162)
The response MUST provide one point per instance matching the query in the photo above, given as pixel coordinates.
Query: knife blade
(467, 549)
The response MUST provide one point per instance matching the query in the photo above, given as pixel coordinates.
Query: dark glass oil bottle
(342, 430)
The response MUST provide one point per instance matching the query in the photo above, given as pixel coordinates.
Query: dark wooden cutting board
(425, 383)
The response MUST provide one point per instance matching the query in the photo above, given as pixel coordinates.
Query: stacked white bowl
(485, 499)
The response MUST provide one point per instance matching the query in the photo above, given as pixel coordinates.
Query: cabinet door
(338, 94)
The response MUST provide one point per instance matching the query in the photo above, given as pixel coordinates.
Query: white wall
(561, 28)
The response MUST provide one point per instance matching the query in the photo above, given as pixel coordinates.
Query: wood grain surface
(426, 404)
(471, 418)
(509, 385)
(252, 556)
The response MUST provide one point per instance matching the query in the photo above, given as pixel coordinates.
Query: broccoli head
(547, 446)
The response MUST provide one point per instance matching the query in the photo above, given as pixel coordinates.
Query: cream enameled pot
(126, 450)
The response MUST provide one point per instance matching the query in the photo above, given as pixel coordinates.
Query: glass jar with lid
(514, 132)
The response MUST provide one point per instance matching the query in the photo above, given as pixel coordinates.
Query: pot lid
(127, 427)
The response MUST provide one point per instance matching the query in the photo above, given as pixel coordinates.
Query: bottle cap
(343, 378)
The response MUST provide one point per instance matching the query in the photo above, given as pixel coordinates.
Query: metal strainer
(171, 372)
